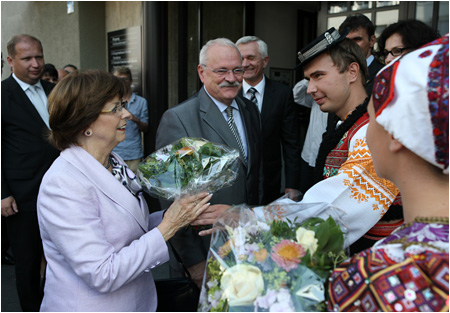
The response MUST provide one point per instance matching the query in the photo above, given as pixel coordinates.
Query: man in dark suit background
(281, 142)
(362, 31)
(205, 116)
(26, 156)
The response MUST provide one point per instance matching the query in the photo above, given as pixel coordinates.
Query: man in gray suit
(206, 115)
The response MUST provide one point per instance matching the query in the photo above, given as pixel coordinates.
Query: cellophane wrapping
(267, 262)
(188, 166)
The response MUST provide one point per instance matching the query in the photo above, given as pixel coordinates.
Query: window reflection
(381, 4)
(361, 5)
(385, 18)
(335, 21)
(443, 18)
(337, 7)
(424, 12)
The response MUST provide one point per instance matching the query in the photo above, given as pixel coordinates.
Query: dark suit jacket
(26, 153)
(199, 117)
(281, 140)
(374, 68)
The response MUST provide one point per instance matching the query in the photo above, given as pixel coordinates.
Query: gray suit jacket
(199, 117)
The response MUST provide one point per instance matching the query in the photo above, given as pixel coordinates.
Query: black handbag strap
(179, 259)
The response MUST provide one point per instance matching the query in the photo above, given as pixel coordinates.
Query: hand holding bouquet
(276, 265)
(188, 166)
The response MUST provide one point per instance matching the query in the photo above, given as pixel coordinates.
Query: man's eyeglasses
(395, 52)
(238, 72)
(117, 108)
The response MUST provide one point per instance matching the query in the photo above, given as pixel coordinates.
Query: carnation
(287, 254)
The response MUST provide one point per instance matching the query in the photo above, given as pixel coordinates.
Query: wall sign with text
(125, 49)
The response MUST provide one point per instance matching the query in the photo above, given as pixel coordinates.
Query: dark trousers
(307, 176)
(5, 241)
(26, 245)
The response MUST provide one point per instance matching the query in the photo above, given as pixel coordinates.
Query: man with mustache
(206, 115)
(279, 124)
(347, 186)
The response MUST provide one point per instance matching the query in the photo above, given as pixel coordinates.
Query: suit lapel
(111, 188)
(245, 115)
(21, 99)
(215, 120)
(268, 100)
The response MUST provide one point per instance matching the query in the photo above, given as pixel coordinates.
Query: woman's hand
(209, 216)
(182, 212)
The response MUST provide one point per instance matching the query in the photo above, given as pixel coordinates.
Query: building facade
(170, 34)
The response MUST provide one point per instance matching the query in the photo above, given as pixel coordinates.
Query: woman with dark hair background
(402, 37)
(50, 73)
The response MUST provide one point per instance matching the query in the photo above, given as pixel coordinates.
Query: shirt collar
(259, 87)
(24, 85)
(369, 60)
(222, 106)
(132, 98)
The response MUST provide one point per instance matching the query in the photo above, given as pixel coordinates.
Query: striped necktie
(253, 97)
(234, 130)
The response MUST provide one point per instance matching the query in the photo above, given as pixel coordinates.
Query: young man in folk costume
(408, 129)
(336, 69)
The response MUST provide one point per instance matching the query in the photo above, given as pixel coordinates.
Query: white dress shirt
(237, 119)
(259, 94)
(40, 91)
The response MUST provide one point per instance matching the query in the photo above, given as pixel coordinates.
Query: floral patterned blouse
(407, 271)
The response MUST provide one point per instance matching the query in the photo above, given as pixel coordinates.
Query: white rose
(241, 284)
(307, 239)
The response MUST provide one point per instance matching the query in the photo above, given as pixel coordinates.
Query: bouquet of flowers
(270, 264)
(187, 166)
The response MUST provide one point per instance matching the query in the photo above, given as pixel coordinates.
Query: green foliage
(330, 243)
(253, 243)
(214, 272)
(188, 165)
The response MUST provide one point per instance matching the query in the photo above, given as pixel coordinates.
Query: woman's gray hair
(203, 58)
(263, 50)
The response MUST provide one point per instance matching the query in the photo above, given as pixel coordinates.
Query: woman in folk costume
(408, 138)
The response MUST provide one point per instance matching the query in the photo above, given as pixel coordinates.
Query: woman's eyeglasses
(395, 52)
(117, 108)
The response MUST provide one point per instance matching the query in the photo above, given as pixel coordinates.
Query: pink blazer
(99, 240)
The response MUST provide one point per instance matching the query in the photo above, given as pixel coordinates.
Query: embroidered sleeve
(363, 182)
(356, 190)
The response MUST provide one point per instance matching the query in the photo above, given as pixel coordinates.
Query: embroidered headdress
(410, 97)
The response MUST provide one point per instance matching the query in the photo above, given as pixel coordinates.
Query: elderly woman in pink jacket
(99, 239)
